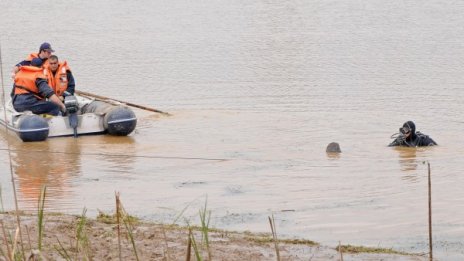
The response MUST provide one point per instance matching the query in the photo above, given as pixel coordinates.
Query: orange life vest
(25, 80)
(59, 81)
(36, 55)
(32, 56)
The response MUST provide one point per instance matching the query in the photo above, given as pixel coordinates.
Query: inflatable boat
(84, 116)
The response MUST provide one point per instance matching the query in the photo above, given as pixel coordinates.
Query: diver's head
(408, 129)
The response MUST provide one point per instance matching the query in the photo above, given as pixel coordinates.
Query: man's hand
(14, 72)
(64, 111)
(58, 102)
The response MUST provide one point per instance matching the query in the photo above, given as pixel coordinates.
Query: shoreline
(98, 240)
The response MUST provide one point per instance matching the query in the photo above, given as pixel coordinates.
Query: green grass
(112, 218)
(373, 250)
(127, 220)
(82, 240)
(205, 217)
(81, 249)
(40, 215)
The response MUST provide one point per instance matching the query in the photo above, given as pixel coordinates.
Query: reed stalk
(181, 214)
(126, 219)
(189, 247)
(3, 254)
(196, 249)
(165, 243)
(340, 250)
(15, 243)
(2, 210)
(274, 236)
(28, 237)
(82, 241)
(118, 215)
(62, 251)
(205, 217)
(129, 229)
(5, 238)
(40, 215)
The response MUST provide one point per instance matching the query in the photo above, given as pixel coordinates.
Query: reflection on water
(407, 159)
(333, 155)
(52, 164)
(410, 159)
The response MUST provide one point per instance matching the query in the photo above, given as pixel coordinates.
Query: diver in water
(408, 137)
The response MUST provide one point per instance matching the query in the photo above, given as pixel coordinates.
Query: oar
(103, 98)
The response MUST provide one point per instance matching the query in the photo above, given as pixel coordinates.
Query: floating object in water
(333, 147)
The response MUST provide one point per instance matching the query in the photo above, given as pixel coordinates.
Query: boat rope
(116, 155)
(3, 101)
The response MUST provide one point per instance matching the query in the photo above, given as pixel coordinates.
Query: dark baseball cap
(46, 46)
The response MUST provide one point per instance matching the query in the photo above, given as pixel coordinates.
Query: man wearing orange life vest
(44, 53)
(59, 77)
(31, 91)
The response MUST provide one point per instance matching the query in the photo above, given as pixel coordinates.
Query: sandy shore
(99, 241)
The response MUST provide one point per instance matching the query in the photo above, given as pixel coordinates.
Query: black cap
(46, 46)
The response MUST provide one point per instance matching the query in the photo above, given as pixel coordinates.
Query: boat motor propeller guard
(72, 106)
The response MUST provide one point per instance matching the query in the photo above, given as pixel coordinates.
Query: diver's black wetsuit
(416, 139)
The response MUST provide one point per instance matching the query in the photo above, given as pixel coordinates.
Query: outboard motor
(72, 106)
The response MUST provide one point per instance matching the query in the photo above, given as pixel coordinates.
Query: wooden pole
(103, 98)
(430, 213)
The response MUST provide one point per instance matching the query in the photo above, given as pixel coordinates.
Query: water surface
(257, 90)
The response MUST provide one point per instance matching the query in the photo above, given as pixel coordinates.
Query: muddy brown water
(258, 89)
